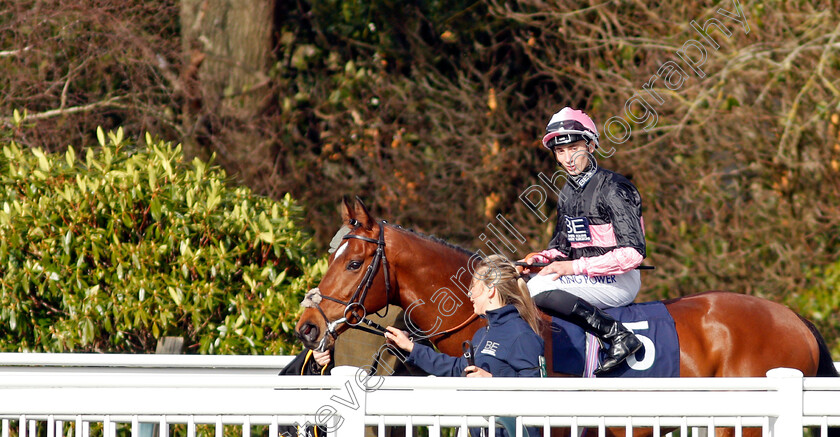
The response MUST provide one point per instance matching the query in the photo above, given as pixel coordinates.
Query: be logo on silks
(577, 229)
(575, 352)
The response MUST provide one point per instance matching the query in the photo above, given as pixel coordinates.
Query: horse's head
(354, 284)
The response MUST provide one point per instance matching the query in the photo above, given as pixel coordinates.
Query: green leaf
(279, 279)
(176, 295)
(70, 157)
(249, 281)
(100, 135)
(43, 164)
(268, 237)
(81, 183)
(152, 177)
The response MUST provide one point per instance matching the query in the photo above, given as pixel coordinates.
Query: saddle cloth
(652, 324)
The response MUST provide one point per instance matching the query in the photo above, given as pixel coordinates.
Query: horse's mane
(434, 239)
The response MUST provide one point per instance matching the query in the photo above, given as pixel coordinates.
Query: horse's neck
(433, 280)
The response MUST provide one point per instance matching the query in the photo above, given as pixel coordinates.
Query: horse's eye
(354, 265)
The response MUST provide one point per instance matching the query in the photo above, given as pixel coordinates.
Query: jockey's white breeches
(607, 291)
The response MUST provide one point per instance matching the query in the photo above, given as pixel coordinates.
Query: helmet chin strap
(582, 178)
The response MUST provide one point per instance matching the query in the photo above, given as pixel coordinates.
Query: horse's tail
(826, 365)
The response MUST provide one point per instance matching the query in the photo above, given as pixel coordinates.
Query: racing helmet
(567, 126)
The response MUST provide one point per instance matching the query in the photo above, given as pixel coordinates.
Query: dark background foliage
(432, 113)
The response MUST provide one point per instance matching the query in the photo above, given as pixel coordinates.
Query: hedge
(130, 243)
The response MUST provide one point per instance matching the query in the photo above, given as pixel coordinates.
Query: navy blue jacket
(507, 346)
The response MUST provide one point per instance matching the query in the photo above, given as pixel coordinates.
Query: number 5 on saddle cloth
(578, 353)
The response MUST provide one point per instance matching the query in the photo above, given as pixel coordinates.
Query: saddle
(577, 353)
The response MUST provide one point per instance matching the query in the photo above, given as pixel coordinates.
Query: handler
(508, 346)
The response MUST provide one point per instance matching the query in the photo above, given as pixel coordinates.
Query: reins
(469, 320)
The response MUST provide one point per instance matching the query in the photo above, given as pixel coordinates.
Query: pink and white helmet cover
(570, 121)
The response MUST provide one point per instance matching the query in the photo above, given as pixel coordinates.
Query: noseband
(356, 304)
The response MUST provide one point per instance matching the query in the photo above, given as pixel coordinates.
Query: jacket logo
(577, 229)
(490, 348)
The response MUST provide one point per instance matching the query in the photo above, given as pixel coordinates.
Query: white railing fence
(145, 363)
(91, 401)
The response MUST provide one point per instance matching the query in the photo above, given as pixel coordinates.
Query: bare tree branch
(6, 53)
(65, 111)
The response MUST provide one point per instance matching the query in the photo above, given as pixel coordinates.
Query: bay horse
(721, 334)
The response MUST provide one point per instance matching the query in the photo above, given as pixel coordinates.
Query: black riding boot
(568, 307)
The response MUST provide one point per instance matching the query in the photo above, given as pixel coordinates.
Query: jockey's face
(574, 157)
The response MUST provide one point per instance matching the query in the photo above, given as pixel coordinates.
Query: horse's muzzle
(309, 333)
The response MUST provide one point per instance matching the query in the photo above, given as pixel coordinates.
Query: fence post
(789, 398)
(169, 346)
(350, 401)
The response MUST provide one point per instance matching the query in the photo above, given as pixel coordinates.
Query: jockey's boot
(622, 341)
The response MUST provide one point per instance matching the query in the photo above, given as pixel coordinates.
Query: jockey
(597, 243)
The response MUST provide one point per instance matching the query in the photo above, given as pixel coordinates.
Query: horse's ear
(362, 215)
(347, 211)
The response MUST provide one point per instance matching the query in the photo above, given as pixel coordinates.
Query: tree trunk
(227, 45)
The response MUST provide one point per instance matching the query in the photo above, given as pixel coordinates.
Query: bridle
(357, 301)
